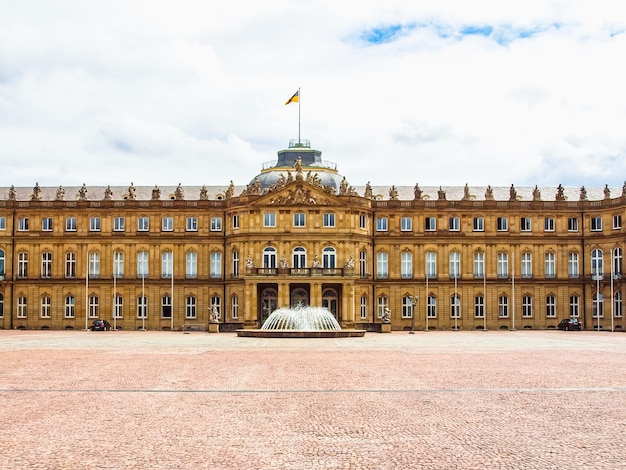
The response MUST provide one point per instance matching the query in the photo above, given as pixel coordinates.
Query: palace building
(165, 258)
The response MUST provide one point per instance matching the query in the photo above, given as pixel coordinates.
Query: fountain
(301, 322)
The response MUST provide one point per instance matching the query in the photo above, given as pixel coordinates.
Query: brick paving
(168, 400)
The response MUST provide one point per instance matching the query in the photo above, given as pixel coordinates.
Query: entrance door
(269, 302)
(330, 300)
(299, 297)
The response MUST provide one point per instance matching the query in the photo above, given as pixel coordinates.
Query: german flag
(294, 99)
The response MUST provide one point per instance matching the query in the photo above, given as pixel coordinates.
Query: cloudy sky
(395, 92)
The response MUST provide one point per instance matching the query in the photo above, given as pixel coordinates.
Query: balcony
(300, 272)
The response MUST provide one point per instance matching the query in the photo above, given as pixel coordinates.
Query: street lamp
(413, 299)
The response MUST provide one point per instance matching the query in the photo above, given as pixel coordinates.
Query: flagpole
(299, 101)
(172, 312)
(87, 290)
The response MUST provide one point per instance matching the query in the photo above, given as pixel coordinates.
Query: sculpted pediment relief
(297, 193)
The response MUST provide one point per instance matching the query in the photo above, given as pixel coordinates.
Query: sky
(109, 92)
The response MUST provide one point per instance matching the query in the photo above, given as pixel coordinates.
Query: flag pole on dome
(296, 99)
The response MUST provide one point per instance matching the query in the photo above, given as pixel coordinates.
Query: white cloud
(108, 92)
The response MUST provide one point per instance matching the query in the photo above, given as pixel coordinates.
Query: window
(503, 265)
(548, 224)
(22, 224)
(167, 261)
(617, 305)
(235, 221)
(216, 224)
(597, 264)
(191, 265)
(216, 265)
(382, 266)
(550, 265)
(166, 306)
(455, 265)
(118, 224)
(70, 265)
(479, 224)
(46, 302)
(216, 305)
(431, 265)
(479, 306)
(299, 219)
(363, 263)
(269, 219)
(597, 305)
(617, 263)
(596, 224)
(551, 306)
(527, 306)
(407, 307)
(22, 265)
(3, 223)
(383, 304)
(234, 307)
(94, 224)
(235, 265)
(329, 258)
(503, 306)
(455, 306)
(94, 306)
(192, 224)
(363, 221)
(46, 224)
(119, 307)
(70, 224)
(94, 265)
(406, 264)
(142, 264)
(298, 258)
(142, 306)
(525, 224)
(455, 224)
(479, 265)
(431, 306)
(46, 265)
(2, 260)
(21, 306)
(190, 307)
(406, 224)
(70, 306)
(572, 224)
(363, 307)
(572, 265)
(502, 224)
(617, 222)
(143, 224)
(329, 219)
(574, 306)
(527, 265)
(167, 224)
(118, 264)
(269, 257)
(430, 224)
(382, 224)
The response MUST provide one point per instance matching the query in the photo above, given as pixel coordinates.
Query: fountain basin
(259, 333)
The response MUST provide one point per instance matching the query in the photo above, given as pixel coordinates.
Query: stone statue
(624, 189)
(583, 193)
(12, 194)
(204, 193)
(489, 193)
(60, 194)
(368, 191)
(560, 193)
(36, 196)
(512, 194)
(386, 318)
(441, 194)
(466, 193)
(607, 192)
(82, 193)
(393, 193)
(343, 187)
(131, 192)
(179, 193)
(108, 193)
(156, 193)
(214, 316)
(417, 192)
(283, 263)
(536, 194)
(316, 262)
(349, 263)
(230, 191)
(249, 263)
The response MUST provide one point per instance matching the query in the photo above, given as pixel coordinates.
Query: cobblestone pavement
(168, 400)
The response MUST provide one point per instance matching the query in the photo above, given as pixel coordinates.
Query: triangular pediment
(298, 193)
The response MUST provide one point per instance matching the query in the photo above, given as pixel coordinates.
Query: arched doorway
(330, 300)
(299, 297)
(269, 302)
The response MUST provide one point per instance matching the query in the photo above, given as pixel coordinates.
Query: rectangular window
(527, 265)
(46, 302)
(455, 265)
(548, 224)
(94, 265)
(503, 265)
(479, 265)
(46, 265)
(142, 264)
(503, 224)
(479, 306)
(430, 224)
(406, 224)
(166, 306)
(46, 224)
(216, 265)
(527, 306)
(574, 306)
(431, 307)
(167, 261)
(21, 307)
(572, 224)
(431, 265)
(119, 306)
(235, 221)
(455, 224)
(22, 224)
(362, 221)
(363, 263)
(299, 219)
(70, 224)
(191, 265)
(455, 306)
(550, 265)
(525, 224)
(94, 224)
(70, 265)
(118, 265)
(3, 223)
(234, 307)
(572, 265)
(269, 219)
(143, 224)
(382, 305)
(363, 307)
(216, 224)
(382, 266)
(94, 306)
(22, 265)
(596, 224)
(406, 265)
(329, 219)
(503, 306)
(118, 224)
(479, 224)
(142, 307)
(192, 224)
(382, 224)
(407, 307)
(70, 306)
(167, 224)
(617, 222)
(551, 306)
(235, 258)
(190, 307)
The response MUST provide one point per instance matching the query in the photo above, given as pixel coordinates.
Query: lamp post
(413, 299)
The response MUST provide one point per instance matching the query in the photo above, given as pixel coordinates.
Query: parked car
(569, 324)
(100, 325)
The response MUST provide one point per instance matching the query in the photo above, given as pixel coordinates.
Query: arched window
(269, 302)
(269, 257)
(299, 257)
(328, 257)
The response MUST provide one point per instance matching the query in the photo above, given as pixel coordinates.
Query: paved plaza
(436, 400)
